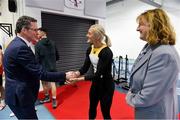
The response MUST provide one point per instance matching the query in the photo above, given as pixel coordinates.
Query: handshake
(73, 76)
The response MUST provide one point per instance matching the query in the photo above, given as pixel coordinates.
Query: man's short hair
(43, 29)
(24, 22)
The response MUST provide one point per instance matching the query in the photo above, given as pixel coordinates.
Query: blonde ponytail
(100, 32)
(108, 41)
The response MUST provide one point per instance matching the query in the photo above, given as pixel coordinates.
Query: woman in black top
(100, 56)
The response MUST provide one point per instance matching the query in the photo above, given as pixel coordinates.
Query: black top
(104, 65)
(46, 54)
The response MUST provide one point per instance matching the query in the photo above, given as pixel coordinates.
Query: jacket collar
(146, 57)
(23, 39)
(141, 61)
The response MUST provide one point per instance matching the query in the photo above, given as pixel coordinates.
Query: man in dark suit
(22, 71)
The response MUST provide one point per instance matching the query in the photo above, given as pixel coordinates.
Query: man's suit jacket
(23, 74)
(154, 77)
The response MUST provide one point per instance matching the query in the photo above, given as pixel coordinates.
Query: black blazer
(23, 74)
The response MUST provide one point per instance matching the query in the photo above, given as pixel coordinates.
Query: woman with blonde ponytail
(100, 56)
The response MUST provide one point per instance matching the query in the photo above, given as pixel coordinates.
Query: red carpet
(73, 103)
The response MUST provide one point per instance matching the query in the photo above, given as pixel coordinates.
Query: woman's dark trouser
(105, 97)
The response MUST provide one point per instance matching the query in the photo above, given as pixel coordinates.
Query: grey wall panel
(52, 5)
(95, 8)
(69, 34)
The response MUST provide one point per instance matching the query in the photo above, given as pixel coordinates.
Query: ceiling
(168, 4)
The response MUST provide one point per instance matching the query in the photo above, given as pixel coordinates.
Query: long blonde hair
(99, 33)
(161, 30)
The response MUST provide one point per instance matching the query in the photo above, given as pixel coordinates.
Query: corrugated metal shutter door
(69, 34)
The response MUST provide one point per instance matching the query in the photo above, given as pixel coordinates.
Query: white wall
(9, 17)
(121, 25)
(36, 12)
(173, 9)
(120, 22)
(22, 9)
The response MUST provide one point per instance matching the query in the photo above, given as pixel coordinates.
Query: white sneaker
(11, 115)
